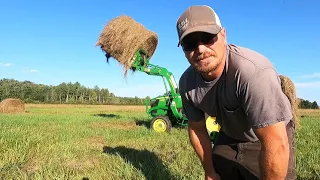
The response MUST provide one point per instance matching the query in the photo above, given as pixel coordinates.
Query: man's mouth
(204, 58)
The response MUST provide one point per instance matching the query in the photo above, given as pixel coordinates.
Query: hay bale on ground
(289, 90)
(123, 36)
(12, 105)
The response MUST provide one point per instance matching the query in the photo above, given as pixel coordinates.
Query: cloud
(308, 76)
(315, 84)
(5, 64)
(33, 71)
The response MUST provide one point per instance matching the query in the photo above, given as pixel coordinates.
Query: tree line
(75, 93)
(305, 104)
(64, 93)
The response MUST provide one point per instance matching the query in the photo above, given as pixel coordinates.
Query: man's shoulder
(188, 75)
(245, 62)
(248, 57)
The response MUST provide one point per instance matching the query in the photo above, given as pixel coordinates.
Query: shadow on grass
(145, 161)
(143, 122)
(107, 115)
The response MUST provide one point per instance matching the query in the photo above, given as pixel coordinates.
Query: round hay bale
(289, 90)
(12, 105)
(123, 36)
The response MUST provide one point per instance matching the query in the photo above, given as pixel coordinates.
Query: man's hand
(213, 176)
(274, 155)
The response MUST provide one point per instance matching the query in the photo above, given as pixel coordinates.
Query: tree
(98, 93)
(314, 105)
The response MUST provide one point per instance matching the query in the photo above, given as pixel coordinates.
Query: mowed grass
(91, 142)
(114, 142)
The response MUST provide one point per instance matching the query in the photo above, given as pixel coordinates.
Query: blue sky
(51, 42)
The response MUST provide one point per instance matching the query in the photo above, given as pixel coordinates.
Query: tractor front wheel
(213, 128)
(161, 124)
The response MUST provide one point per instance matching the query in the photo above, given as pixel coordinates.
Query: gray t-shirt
(246, 96)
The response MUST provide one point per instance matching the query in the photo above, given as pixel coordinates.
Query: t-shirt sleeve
(263, 100)
(192, 113)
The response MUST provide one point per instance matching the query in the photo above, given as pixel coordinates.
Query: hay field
(114, 142)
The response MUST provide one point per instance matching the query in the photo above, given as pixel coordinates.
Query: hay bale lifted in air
(123, 36)
(12, 105)
(289, 90)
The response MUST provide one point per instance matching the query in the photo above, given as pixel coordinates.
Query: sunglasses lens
(189, 46)
(192, 43)
(207, 38)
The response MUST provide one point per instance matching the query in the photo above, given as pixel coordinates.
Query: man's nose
(201, 48)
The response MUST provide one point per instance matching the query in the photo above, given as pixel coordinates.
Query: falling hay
(289, 90)
(12, 105)
(122, 37)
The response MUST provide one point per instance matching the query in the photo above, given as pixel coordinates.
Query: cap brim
(212, 29)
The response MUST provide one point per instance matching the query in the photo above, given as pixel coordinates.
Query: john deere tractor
(166, 110)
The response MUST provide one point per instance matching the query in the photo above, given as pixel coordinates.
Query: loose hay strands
(123, 36)
(12, 105)
(289, 90)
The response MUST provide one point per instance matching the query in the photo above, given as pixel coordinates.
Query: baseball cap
(198, 18)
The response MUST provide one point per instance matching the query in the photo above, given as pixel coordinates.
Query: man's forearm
(202, 145)
(274, 162)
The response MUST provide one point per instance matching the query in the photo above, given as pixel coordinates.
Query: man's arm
(197, 129)
(201, 143)
(274, 154)
(267, 109)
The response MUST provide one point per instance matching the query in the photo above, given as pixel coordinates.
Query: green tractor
(166, 110)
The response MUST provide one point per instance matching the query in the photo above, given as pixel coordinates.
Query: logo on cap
(182, 25)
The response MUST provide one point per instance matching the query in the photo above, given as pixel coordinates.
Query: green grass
(104, 142)
(307, 147)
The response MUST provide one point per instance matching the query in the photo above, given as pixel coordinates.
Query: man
(242, 89)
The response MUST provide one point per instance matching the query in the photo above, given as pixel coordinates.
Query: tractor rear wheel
(161, 124)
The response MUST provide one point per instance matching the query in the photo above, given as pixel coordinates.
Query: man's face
(204, 51)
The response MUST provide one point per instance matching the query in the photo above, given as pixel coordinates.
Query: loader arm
(141, 63)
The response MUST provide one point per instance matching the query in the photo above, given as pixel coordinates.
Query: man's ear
(223, 33)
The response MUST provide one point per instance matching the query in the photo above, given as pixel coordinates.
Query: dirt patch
(96, 142)
(32, 166)
(123, 125)
(82, 164)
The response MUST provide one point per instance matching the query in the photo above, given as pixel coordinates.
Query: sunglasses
(192, 42)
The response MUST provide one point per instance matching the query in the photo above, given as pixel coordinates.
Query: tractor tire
(161, 124)
(213, 128)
